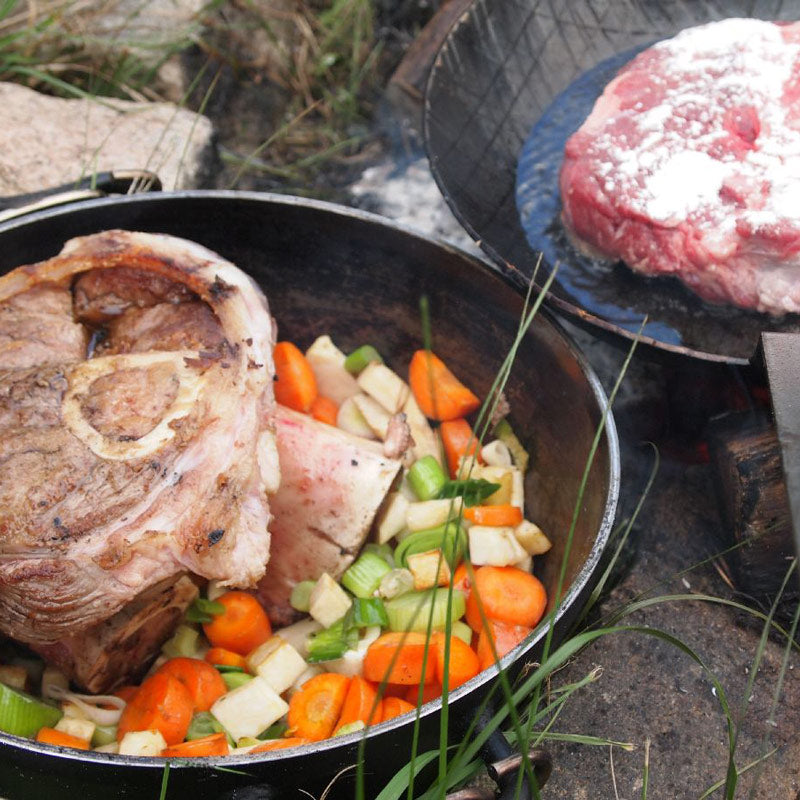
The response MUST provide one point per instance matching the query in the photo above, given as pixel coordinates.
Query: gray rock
(47, 141)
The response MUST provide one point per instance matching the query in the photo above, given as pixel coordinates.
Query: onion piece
(88, 704)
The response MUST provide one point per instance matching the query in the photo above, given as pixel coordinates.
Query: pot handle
(97, 185)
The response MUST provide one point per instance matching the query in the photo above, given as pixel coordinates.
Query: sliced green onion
(233, 680)
(367, 612)
(385, 551)
(104, 734)
(275, 731)
(411, 611)
(450, 538)
(427, 478)
(360, 358)
(473, 490)
(364, 575)
(184, 642)
(227, 669)
(519, 454)
(301, 596)
(203, 610)
(23, 715)
(203, 723)
(328, 644)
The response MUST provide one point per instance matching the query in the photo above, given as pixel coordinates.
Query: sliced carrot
(280, 744)
(203, 682)
(462, 664)
(52, 736)
(505, 637)
(324, 409)
(361, 703)
(439, 394)
(225, 658)
(295, 384)
(214, 745)
(398, 658)
(458, 441)
(461, 579)
(315, 709)
(162, 703)
(430, 691)
(496, 516)
(242, 627)
(507, 594)
(395, 706)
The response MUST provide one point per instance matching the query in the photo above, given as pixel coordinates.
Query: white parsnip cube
(280, 666)
(351, 663)
(532, 539)
(426, 514)
(426, 442)
(298, 634)
(375, 415)
(249, 709)
(52, 677)
(215, 589)
(111, 747)
(142, 743)
(518, 489)
(14, 676)
(350, 419)
(496, 454)
(82, 728)
(69, 709)
(500, 475)
(327, 363)
(391, 517)
(383, 385)
(328, 602)
(429, 569)
(526, 565)
(496, 546)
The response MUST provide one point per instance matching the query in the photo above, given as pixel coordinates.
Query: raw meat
(689, 165)
(125, 471)
(332, 484)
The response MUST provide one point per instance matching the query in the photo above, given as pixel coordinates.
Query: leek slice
(203, 610)
(203, 724)
(519, 454)
(184, 642)
(359, 359)
(450, 538)
(364, 575)
(411, 611)
(233, 680)
(103, 735)
(23, 715)
(301, 596)
(368, 612)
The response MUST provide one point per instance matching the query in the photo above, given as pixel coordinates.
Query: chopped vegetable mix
(442, 592)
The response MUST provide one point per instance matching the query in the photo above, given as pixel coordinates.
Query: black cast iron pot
(359, 278)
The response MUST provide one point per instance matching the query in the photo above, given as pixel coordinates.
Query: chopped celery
(462, 631)
(450, 538)
(184, 642)
(301, 595)
(103, 734)
(385, 551)
(367, 612)
(233, 680)
(506, 435)
(331, 643)
(427, 478)
(203, 610)
(411, 611)
(23, 715)
(364, 575)
(275, 731)
(473, 490)
(360, 358)
(204, 723)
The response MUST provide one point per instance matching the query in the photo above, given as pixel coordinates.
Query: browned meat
(332, 484)
(150, 460)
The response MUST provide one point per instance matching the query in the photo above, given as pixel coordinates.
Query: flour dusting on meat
(689, 164)
(126, 470)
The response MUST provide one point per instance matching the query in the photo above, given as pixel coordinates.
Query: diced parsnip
(501, 475)
(517, 489)
(52, 677)
(215, 589)
(395, 583)
(82, 728)
(374, 414)
(426, 514)
(298, 634)
(327, 364)
(328, 602)
(429, 569)
(352, 661)
(533, 540)
(526, 565)
(426, 442)
(14, 676)
(306, 675)
(385, 386)
(142, 743)
(350, 419)
(250, 709)
(73, 710)
(279, 665)
(496, 546)
(496, 454)
(391, 517)
(111, 747)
